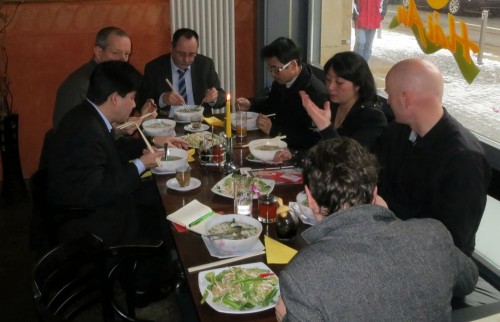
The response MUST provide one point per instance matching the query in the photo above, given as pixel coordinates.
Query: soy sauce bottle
(286, 228)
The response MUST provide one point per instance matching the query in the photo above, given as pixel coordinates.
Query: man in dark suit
(89, 169)
(193, 76)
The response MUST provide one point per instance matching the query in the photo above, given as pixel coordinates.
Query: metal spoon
(165, 147)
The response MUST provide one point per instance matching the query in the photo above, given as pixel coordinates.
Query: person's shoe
(144, 298)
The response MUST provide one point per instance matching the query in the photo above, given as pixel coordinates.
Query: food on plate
(242, 288)
(194, 139)
(227, 185)
(266, 147)
(246, 229)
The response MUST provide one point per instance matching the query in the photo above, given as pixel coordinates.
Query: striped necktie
(182, 84)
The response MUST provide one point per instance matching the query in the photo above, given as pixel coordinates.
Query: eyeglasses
(185, 55)
(278, 69)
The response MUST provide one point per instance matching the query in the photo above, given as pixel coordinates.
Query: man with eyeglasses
(283, 61)
(192, 75)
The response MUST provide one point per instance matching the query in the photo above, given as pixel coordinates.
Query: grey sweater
(364, 264)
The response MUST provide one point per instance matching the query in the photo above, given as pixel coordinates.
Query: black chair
(87, 274)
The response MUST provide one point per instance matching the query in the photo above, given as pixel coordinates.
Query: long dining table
(190, 246)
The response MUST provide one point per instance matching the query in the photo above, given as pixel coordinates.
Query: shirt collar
(108, 125)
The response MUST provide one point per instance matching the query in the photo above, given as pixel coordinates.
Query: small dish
(216, 252)
(251, 158)
(203, 127)
(174, 185)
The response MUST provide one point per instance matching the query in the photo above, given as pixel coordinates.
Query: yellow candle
(228, 116)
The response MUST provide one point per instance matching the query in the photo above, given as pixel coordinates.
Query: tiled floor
(15, 272)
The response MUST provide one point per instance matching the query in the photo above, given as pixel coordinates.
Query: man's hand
(172, 98)
(321, 117)
(280, 310)
(173, 141)
(264, 123)
(243, 104)
(129, 130)
(211, 95)
(149, 159)
(149, 107)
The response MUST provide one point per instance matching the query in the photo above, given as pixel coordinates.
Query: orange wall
(47, 41)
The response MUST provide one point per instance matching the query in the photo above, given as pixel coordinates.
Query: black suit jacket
(203, 76)
(89, 169)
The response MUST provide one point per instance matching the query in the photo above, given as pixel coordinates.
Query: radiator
(214, 22)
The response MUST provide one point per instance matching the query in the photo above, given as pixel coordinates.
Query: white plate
(254, 160)
(216, 252)
(217, 188)
(202, 128)
(219, 307)
(161, 171)
(194, 139)
(193, 184)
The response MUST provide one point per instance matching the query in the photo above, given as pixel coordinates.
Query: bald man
(432, 166)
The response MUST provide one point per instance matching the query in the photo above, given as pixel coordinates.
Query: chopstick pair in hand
(175, 91)
(125, 125)
(150, 148)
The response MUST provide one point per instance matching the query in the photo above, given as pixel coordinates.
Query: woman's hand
(282, 155)
(321, 117)
(173, 141)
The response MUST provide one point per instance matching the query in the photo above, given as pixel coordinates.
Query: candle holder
(228, 166)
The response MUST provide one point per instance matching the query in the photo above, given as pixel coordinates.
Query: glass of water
(243, 195)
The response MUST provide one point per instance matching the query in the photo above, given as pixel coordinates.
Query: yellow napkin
(146, 174)
(190, 155)
(278, 253)
(213, 121)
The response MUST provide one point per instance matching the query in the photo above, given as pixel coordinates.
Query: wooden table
(190, 246)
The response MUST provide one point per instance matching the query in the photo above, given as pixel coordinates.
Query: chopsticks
(223, 262)
(124, 125)
(175, 91)
(150, 148)
(271, 115)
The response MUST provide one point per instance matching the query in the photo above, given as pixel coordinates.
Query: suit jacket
(364, 264)
(203, 77)
(291, 117)
(72, 91)
(89, 169)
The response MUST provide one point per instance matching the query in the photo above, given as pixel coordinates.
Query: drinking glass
(183, 176)
(240, 120)
(268, 204)
(195, 121)
(243, 195)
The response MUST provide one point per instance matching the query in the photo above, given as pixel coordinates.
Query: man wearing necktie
(192, 75)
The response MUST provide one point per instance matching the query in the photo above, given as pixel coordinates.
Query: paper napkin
(278, 253)
(213, 121)
(146, 174)
(190, 155)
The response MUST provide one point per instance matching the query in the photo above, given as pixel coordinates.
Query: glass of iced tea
(240, 120)
(268, 204)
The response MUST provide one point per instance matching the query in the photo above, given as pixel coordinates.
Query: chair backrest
(80, 275)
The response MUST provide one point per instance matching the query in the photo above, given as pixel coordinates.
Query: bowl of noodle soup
(265, 149)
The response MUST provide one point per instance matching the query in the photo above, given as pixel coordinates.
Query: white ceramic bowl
(158, 127)
(255, 147)
(172, 165)
(251, 120)
(184, 113)
(303, 205)
(237, 245)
